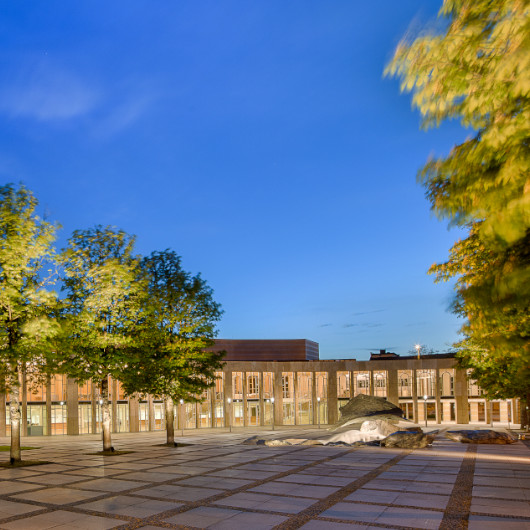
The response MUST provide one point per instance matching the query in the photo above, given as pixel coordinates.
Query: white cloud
(48, 94)
(123, 115)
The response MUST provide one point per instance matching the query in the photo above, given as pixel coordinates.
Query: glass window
(343, 385)
(58, 387)
(361, 382)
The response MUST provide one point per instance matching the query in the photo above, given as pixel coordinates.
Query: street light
(318, 411)
(273, 413)
(181, 417)
(229, 415)
(425, 408)
(418, 349)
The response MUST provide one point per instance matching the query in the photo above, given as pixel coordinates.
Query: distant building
(383, 354)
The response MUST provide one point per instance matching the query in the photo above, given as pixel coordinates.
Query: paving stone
(130, 506)
(61, 520)
(483, 522)
(411, 518)
(354, 511)
(57, 495)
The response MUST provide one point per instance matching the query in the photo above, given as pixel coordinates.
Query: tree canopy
(477, 70)
(103, 306)
(27, 271)
(175, 358)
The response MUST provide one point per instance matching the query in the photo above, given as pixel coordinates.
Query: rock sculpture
(481, 437)
(362, 408)
(407, 440)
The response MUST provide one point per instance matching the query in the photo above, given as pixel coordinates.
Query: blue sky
(259, 140)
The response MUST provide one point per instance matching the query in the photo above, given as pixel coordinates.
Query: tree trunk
(105, 415)
(14, 411)
(170, 421)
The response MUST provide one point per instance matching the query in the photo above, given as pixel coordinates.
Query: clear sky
(259, 140)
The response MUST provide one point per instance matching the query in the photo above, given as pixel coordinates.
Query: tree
(477, 70)
(26, 304)
(103, 304)
(174, 359)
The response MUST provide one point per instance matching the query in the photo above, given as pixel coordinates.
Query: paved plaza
(215, 482)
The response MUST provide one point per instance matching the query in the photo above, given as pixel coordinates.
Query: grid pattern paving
(215, 482)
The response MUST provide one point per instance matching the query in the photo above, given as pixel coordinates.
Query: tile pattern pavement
(215, 482)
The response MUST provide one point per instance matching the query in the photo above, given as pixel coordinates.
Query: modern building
(270, 382)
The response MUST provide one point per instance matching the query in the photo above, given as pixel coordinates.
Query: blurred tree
(174, 358)
(478, 71)
(27, 269)
(103, 305)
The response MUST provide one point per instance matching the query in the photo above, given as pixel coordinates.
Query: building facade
(250, 392)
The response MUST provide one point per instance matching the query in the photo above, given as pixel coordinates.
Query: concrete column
(437, 396)
(228, 393)
(24, 401)
(114, 404)
(151, 412)
(392, 394)
(278, 398)
(415, 417)
(261, 401)
(244, 390)
(72, 407)
(2, 414)
(48, 430)
(134, 414)
(333, 407)
(94, 405)
(295, 398)
(461, 406)
(314, 401)
(213, 419)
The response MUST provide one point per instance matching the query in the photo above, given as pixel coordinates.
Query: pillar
(114, 405)
(228, 393)
(437, 396)
(278, 398)
(134, 414)
(261, 401)
(461, 398)
(2, 414)
(151, 413)
(333, 406)
(314, 400)
(94, 406)
(48, 406)
(295, 398)
(244, 390)
(415, 417)
(392, 394)
(72, 407)
(24, 401)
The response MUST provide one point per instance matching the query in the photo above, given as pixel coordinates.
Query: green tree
(27, 270)
(103, 304)
(175, 358)
(477, 70)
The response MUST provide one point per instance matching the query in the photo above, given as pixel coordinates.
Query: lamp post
(418, 349)
(273, 413)
(425, 408)
(182, 417)
(318, 411)
(229, 414)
